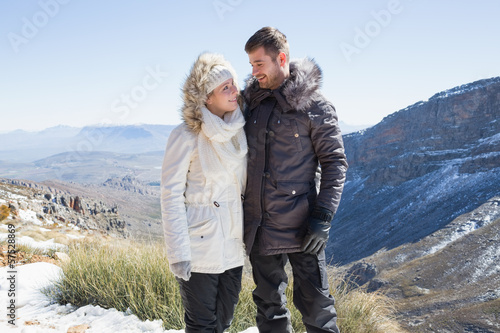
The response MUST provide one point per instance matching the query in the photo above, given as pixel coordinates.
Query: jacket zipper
(266, 163)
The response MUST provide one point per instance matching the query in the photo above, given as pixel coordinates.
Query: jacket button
(296, 135)
(216, 204)
(267, 215)
(271, 134)
(267, 174)
(293, 192)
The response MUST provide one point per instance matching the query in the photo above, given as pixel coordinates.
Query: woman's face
(223, 99)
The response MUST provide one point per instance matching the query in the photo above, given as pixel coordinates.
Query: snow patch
(12, 196)
(29, 216)
(28, 241)
(35, 307)
(464, 88)
(488, 264)
(476, 221)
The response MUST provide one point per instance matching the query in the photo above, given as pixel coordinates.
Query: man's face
(266, 69)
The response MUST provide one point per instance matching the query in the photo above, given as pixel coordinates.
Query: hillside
(448, 281)
(420, 214)
(39, 205)
(417, 170)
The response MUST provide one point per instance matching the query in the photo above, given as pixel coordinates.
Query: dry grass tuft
(135, 277)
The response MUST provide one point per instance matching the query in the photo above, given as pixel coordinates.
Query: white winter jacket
(202, 219)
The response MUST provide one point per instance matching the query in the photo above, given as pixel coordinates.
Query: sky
(79, 63)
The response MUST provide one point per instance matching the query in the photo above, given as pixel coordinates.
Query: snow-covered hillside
(416, 171)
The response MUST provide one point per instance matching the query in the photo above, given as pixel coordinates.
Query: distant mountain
(21, 146)
(346, 128)
(87, 167)
(24, 146)
(417, 170)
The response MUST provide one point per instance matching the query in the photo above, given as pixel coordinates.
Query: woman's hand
(181, 269)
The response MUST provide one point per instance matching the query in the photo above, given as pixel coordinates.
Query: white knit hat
(216, 76)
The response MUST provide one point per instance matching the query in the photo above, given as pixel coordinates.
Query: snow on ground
(11, 196)
(29, 216)
(487, 264)
(29, 241)
(476, 221)
(36, 314)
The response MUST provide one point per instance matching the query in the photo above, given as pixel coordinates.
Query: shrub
(124, 276)
(4, 212)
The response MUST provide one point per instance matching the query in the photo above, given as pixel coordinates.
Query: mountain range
(419, 169)
(419, 217)
(21, 146)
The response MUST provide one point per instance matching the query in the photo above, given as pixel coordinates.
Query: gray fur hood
(195, 86)
(300, 89)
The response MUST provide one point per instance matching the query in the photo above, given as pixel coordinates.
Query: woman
(203, 179)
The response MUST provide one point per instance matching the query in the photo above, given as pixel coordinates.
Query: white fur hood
(193, 91)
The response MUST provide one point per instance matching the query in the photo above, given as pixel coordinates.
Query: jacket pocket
(205, 237)
(293, 188)
(296, 135)
(201, 222)
(288, 130)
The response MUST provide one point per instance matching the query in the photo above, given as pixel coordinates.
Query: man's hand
(317, 231)
(181, 269)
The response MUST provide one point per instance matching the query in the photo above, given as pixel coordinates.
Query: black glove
(317, 231)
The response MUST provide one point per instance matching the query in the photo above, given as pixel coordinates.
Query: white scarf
(222, 146)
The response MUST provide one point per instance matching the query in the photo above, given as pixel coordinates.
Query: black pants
(311, 294)
(209, 300)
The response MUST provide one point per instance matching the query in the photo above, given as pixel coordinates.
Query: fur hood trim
(300, 89)
(195, 87)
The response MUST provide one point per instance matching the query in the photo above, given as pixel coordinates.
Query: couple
(212, 181)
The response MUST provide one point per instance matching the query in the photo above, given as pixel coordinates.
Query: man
(296, 174)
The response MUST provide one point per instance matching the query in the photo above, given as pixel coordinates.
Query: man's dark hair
(273, 41)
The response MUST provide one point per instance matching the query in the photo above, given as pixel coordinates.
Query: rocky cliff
(418, 169)
(48, 204)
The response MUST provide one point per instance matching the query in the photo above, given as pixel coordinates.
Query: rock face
(53, 204)
(418, 169)
(360, 273)
(130, 184)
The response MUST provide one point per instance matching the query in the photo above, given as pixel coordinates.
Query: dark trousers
(209, 300)
(311, 294)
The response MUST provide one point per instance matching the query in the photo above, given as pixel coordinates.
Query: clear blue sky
(88, 62)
